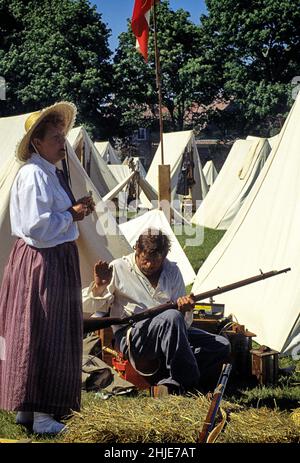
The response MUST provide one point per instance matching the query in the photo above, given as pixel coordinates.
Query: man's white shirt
(131, 292)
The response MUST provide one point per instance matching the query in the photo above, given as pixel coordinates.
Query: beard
(151, 273)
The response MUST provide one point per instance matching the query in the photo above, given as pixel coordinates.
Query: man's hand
(186, 303)
(102, 277)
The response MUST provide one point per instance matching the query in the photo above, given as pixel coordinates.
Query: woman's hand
(88, 202)
(78, 211)
(82, 208)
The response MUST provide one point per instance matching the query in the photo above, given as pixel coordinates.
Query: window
(141, 134)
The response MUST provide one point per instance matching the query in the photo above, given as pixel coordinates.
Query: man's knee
(172, 316)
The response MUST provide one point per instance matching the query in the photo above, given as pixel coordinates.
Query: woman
(40, 296)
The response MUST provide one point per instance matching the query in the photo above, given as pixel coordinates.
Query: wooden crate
(265, 365)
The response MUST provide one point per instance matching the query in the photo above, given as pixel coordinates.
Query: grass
(197, 242)
(285, 395)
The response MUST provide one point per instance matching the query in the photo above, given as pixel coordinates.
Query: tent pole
(164, 187)
(158, 82)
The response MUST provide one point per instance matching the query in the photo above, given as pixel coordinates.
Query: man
(166, 348)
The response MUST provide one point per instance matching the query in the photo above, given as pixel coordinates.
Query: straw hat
(67, 111)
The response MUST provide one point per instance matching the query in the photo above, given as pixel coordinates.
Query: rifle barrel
(239, 284)
(93, 324)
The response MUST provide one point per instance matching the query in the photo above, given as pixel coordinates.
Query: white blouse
(38, 206)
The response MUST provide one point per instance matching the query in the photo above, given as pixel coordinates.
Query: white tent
(150, 195)
(265, 235)
(124, 176)
(100, 236)
(273, 141)
(93, 163)
(137, 165)
(119, 171)
(178, 146)
(107, 152)
(116, 192)
(157, 219)
(75, 137)
(210, 172)
(233, 184)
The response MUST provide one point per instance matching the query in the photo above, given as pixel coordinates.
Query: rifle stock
(93, 324)
(215, 404)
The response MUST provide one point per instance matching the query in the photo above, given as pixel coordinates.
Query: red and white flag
(140, 24)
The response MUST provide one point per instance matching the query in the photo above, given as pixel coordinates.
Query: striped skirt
(41, 330)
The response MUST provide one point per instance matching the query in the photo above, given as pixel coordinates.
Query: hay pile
(174, 419)
(296, 417)
(141, 419)
(262, 425)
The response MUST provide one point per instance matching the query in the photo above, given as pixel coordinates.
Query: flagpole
(164, 184)
(158, 82)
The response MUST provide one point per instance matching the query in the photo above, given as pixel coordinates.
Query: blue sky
(115, 13)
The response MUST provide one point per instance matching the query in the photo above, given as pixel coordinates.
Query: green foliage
(54, 50)
(257, 45)
(246, 52)
(182, 82)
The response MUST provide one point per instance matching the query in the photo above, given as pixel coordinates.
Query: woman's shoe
(24, 418)
(46, 424)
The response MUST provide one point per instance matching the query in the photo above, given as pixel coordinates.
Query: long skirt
(41, 330)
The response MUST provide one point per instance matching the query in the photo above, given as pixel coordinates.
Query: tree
(8, 25)
(257, 45)
(55, 50)
(182, 85)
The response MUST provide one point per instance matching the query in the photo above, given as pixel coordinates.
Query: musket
(93, 324)
(215, 404)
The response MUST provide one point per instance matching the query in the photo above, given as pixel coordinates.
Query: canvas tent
(149, 193)
(234, 182)
(273, 141)
(157, 219)
(127, 181)
(100, 236)
(120, 190)
(138, 166)
(265, 235)
(210, 173)
(181, 153)
(107, 152)
(93, 163)
(119, 171)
